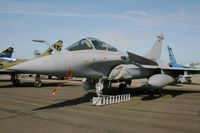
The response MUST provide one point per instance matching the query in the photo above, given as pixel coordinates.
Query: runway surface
(27, 109)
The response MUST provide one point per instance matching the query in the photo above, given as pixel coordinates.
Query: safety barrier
(105, 99)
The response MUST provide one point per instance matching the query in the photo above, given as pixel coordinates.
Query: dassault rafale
(102, 64)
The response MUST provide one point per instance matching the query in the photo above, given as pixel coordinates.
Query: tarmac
(27, 109)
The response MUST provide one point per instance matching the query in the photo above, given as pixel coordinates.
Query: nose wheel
(15, 80)
(38, 82)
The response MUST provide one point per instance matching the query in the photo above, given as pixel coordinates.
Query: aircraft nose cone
(41, 65)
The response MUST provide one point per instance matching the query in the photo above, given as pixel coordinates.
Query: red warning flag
(68, 74)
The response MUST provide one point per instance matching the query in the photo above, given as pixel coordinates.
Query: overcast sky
(126, 24)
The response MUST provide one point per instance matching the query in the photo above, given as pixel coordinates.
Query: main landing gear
(153, 92)
(101, 99)
(124, 85)
(100, 84)
(38, 82)
(15, 80)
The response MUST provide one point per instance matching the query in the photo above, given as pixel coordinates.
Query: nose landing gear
(15, 80)
(99, 87)
(38, 82)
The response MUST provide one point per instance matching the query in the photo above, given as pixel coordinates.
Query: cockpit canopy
(91, 43)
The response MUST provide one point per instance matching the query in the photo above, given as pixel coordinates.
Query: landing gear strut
(15, 79)
(38, 82)
(160, 92)
(99, 88)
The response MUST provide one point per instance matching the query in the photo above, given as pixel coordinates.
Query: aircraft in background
(185, 78)
(57, 45)
(6, 55)
(102, 64)
(14, 76)
(7, 61)
(197, 66)
(173, 62)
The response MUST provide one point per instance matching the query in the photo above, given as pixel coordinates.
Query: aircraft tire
(38, 84)
(190, 81)
(160, 92)
(16, 82)
(152, 92)
(122, 86)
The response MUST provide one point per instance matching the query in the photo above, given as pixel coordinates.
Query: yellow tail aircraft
(57, 45)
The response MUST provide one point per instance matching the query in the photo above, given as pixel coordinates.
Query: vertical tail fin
(155, 52)
(57, 45)
(171, 55)
(172, 58)
(7, 53)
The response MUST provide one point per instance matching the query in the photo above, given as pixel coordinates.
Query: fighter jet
(185, 78)
(102, 64)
